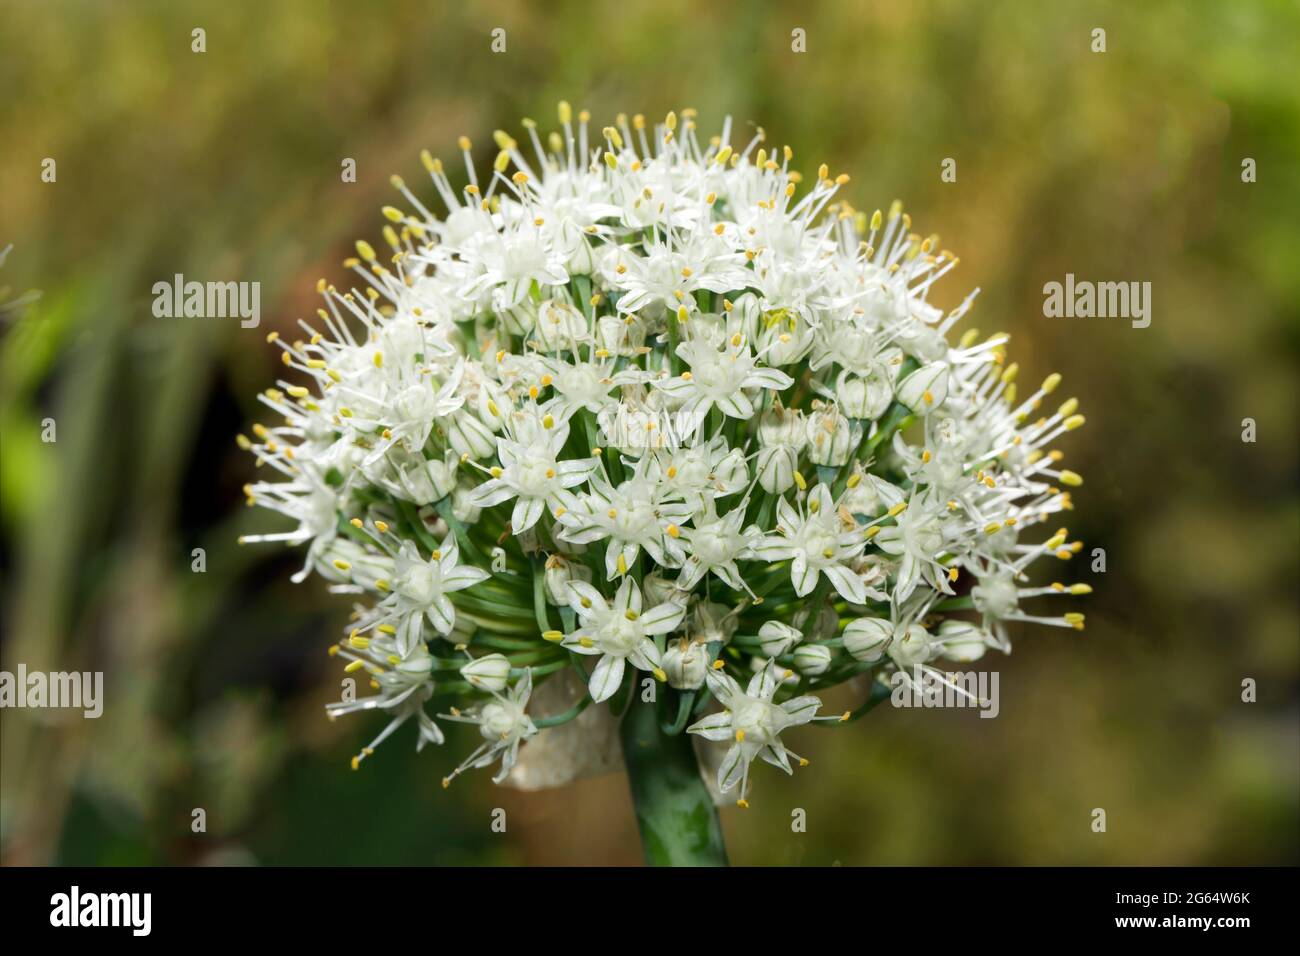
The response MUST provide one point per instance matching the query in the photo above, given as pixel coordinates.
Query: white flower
(917, 540)
(633, 516)
(816, 539)
(714, 545)
(504, 723)
(619, 632)
(532, 474)
(419, 589)
(719, 377)
(403, 688)
(753, 722)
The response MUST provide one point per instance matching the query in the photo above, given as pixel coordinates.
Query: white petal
(606, 678)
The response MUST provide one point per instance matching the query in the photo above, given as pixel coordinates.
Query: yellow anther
(1073, 422)
(673, 531)
(724, 154)
(1080, 588)
(365, 250)
(342, 565)
(897, 509)
(660, 674)
(1068, 407)
(800, 481)
(553, 636)
(1071, 478)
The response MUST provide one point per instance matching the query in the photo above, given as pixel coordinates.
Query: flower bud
(658, 590)
(711, 622)
(442, 474)
(467, 435)
(867, 637)
(559, 325)
(684, 663)
(911, 646)
(864, 396)
(559, 572)
(777, 638)
(830, 437)
(782, 426)
(493, 405)
(489, 672)
(616, 335)
(776, 466)
(461, 508)
(962, 641)
(925, 389)
(812, 660)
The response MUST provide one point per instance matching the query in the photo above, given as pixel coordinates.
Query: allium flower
(619, 632)
(753, 722)
(656, 409)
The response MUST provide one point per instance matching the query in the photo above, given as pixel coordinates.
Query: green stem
(678, 822)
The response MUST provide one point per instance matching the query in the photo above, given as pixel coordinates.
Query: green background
(1117, 166)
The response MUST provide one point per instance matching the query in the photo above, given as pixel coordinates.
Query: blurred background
(226, 165)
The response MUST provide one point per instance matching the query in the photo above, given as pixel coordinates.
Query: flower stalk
(678, 822)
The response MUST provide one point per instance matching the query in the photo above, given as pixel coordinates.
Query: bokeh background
(1117, 166)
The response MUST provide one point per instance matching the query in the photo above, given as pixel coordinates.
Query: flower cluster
(651, 406)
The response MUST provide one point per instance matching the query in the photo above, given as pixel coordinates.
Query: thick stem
(679, 824)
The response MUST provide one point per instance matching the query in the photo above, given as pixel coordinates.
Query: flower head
(644, 398)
